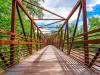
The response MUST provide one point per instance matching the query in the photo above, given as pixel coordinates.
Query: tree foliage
(5, 15)
(34, 11)
(94, 22)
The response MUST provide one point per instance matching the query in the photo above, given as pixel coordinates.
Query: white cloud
(45, 30)
(63, 8)
(91, 4)
(59, 7)
(74, 16)
(97, 16)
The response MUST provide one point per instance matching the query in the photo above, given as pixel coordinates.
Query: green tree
(5, 13)
(5, 16)
(94, 22)
(34, 11)
(71, 29)
(5, 23)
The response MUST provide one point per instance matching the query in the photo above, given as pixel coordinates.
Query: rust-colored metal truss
(60, 38)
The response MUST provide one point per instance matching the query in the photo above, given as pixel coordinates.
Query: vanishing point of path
(49, 61)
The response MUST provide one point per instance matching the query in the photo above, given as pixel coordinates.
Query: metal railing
(89, 50)
(15, 46)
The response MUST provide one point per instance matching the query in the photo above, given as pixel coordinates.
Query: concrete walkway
(49, 61)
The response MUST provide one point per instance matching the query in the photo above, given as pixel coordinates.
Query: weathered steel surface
(13, 29)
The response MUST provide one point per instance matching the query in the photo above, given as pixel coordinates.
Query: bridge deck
(49, 61)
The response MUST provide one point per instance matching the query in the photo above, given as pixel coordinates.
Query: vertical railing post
(59, 40)
(64, 38)
(61, 35)
(86, 51)
(13, 29)
(43, 42)
(34, 35)
(37, 40)
(40, 41)
(68, 51)
(31, 27)
(3, 58)
(56, 41)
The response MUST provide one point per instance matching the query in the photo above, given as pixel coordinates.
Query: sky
(64, 7)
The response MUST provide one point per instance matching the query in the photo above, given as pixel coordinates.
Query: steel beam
(21, 21)
(50, 24)
(44, 9)
(67, 28)
(16, 42)
(26, 12)
(31, 30)
(85, 30)
(3, 58)
(13, 29)
(76, 27)
(94, 58)
(49, 19)
(64, 38)
(72, 12)
(74, 9)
